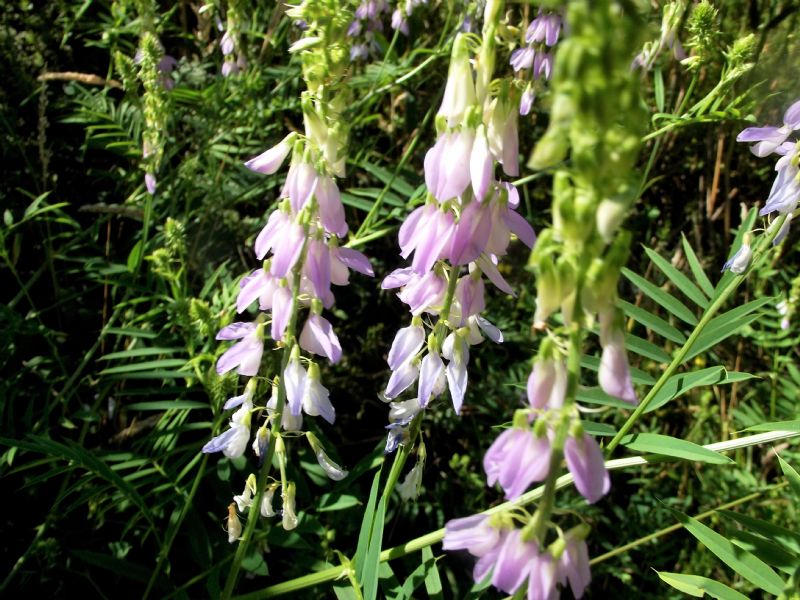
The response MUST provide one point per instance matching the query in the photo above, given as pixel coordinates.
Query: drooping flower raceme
(455, 239)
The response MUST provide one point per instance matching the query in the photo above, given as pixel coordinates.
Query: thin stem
(255, 507)
(723, 296)
(429, 539)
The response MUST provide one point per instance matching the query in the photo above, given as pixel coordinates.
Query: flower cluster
(785, 193)
(367, 21)
(456, 238)
(230, 44)
(670, 21)
(516, 561)
(535, 59)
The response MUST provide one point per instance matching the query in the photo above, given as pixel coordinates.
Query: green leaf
(791, 476)
(681, 281)
(697, 586)
(600, 429)
(655, 443)
(372, 560)
(654, 323)
(697, 269)
(168, 405)
(336, 501)
(433, 584)
(366, 527)
(647, 349)
(137, 352)
(678, 385)
(135, 256)
(659, 296)
(742, 562)
(776, 533)
(770, 553)
(725, 325)
(776, 426)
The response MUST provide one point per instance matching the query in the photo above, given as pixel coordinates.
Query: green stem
(720, 300)
(667, 530)
(429, 539)
(255, 507)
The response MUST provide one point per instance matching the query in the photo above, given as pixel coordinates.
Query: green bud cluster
(597, 121)
(155, 102)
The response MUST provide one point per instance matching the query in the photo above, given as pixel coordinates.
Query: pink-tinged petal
(491, 271)
(234, 402)
(432, 164)
(454, 164)
(251, 359)
(355, 260)
(510, 569)
(401, 379)
(340, 275)
(397, 278)
(470, 296)
(331, 211)
(281, 312)
(522, 58)
(481, 165)
(533, 466)
(319, 338)
(251, 289)
(542, 578)
(471, 234)
(791, 118)
(614, 373)
(430, 370)
(498, 453)
(412, 228)
(575, 566)
(232, 358)
(423, 293)
(294, 380)
(270, 161)
(287, 250)
(540, 383)
(304, 184)
(585, 462)
(513, 194)
(487, 562)
(511, 146)
(317, 267)
(272, 230)
(520, 227)
(316, 401)
(235, 331)
(434, 240)
(473, 534)
(406, 344)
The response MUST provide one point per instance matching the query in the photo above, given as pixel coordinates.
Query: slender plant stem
(680, 356)
(429, 539)
(255, 507)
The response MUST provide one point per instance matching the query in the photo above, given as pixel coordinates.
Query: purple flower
(543, 65)
(544, 28)
(510, 569)
(287, 247)
(516, 459)
(739, 262)
(470, 297)
(585, 462)
(233, 442)
(269, 161)
(150, 183)
(481, 164)
(227, 44)
(273, 231)
(522, 58)
(401, 379)
(422, 293)
(331, 211)
(245, 354)
(399, 21)
(471, 234)
(456, 351)
(447, 164)
(473, 533)
(771, 138)
(259, 284)
(526, 102)
(319, 338)
(614, 375)
(574, 565)
(349, 259)
(547, 384)
(301, 182)
(407, 342)
(543, 575)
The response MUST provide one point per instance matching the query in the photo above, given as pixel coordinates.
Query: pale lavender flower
(574, 565)
(470, 297)
(543, 65)
(402, 378)
(294, 381)
(430, 373)
(614, 374)
(522, 58)
(227, 44)
(150, 183)
(316, 401)
(473, 533)
(481, 164)
(407, 342)
(547, 384)
(544, 28)
(301, 182)
(281, 312)
(261, 285)
(278, 223)
(399, 21)
(456, 351)
(516, 459)
(769, 139)
(246, 353)
(319, 338)
(543, 575)
(287, 247)
(739, 262)
(422, 293)
(526, 101)
(447, 164)
(331, 211)
(343, 259)
(233, 441)
(585, 462)
(269, 161)
(510, 569)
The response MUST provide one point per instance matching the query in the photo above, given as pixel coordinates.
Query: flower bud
(289, 520)
(234, 524)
